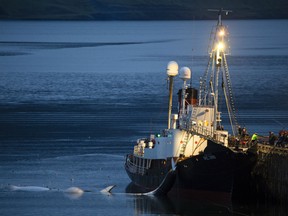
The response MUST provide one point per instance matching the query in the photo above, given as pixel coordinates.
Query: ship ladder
(184, 144)
(192, 119)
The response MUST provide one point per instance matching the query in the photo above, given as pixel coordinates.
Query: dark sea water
(74, 97)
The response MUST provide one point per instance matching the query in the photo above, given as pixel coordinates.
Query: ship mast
(217, 68)
(172, 71)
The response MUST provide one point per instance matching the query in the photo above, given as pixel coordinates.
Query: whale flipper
(108, 189)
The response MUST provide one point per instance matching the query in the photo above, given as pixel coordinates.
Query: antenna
(220, 12)
(185, 74)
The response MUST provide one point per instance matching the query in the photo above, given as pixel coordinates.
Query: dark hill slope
(140, 9)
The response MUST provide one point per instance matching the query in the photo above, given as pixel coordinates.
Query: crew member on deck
(244, 132)
(281, 139)
(254, 138)
(239, 130)
(272, 138)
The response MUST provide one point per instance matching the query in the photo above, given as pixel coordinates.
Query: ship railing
(139, 167)
(266, 148)
(203, 132)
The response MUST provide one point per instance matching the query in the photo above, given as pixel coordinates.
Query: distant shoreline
(113, 20)
(115, 10)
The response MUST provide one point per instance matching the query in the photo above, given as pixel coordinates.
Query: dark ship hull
(218, 171)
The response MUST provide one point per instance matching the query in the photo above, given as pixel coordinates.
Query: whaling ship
(193, 156)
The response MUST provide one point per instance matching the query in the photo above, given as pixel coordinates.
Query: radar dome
(185, 73)
(172, 68)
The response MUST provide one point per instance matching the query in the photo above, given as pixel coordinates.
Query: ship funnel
(172, 68)
(185, 73)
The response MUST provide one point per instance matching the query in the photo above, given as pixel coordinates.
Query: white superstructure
(198, 119)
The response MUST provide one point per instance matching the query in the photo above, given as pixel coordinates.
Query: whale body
(74, 190)
(69, 191)
(28, 188)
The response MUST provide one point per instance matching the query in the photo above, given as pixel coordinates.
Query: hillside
(140, 9)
